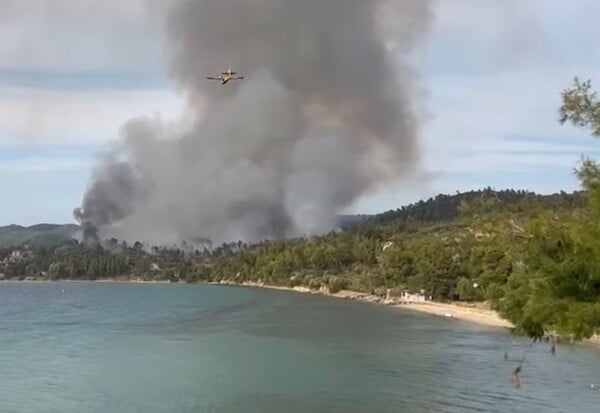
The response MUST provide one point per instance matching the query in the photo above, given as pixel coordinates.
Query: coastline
(477, 313)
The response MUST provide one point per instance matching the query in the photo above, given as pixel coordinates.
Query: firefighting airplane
(225, 77)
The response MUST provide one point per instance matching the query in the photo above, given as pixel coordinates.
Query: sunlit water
(94, 347)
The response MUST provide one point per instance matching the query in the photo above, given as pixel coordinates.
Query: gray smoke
(326, 113)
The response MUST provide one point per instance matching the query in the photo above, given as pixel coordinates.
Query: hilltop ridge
(442, 207)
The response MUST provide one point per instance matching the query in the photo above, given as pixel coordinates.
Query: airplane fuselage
(225, 77)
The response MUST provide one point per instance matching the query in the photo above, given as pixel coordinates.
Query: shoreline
(102, 280)
(476, 313)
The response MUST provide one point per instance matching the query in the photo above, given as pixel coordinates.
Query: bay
(114, 347)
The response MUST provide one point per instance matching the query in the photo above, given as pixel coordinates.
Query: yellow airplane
(225, 77)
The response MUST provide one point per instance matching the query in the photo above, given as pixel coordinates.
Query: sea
(170, 348)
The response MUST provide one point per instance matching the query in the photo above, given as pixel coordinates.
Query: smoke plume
(325, 114)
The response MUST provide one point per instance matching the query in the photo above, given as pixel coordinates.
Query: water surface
(103, 347)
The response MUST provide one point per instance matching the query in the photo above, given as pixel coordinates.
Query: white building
(413, 298)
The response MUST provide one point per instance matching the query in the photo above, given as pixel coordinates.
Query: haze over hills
(439, 208)
(37, 235)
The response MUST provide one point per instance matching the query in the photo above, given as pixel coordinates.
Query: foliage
(559, 287)
(581, 107)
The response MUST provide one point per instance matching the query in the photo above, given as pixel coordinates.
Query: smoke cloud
(327, 112)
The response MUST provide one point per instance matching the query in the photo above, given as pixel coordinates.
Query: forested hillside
(446, 207)
(357, 250)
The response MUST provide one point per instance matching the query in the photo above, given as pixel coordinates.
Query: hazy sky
(72, 72)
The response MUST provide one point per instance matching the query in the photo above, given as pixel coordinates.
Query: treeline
(469, 258)
(446, 207)
(73, 260)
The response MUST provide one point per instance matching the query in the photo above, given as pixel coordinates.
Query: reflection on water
(173, 348)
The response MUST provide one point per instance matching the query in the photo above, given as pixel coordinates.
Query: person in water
(516, 378)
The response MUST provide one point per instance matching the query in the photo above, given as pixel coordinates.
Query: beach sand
(474, 314)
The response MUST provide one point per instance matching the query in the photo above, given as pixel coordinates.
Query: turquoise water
(95, 347)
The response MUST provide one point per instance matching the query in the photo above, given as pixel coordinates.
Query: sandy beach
(477, 315)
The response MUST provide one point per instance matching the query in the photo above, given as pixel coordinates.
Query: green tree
(559, 287)
(581, 107)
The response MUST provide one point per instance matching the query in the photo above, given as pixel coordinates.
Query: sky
(72, 72)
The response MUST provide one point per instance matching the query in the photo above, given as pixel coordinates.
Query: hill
(47, 235)
(344, 222)
(431, 245)
(445, 207)
(36, 235)
(441, 208)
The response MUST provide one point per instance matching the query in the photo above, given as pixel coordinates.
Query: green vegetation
(534, 258)
(558, 287)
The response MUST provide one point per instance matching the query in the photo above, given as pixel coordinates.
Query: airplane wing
(211, 78)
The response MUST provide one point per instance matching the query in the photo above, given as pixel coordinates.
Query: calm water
(83, 347)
